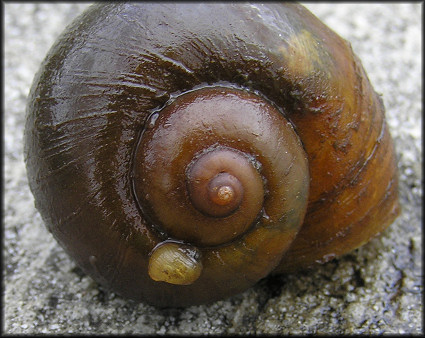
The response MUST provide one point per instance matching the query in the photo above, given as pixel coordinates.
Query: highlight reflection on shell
(194, 159)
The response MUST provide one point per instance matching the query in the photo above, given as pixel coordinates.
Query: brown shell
(109, 80)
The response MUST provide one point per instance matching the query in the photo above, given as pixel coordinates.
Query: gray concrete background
(376, 289)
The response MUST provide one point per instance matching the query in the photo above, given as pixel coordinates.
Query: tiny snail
(182, 152)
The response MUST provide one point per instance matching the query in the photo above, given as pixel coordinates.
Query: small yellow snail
(182, 152)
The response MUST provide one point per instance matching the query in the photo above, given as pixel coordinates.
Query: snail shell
(181, 152)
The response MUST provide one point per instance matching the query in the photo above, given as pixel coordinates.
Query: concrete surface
(376, 289)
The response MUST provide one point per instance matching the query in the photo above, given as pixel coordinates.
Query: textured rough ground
(376, 289)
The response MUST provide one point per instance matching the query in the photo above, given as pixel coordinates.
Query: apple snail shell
(181, 152)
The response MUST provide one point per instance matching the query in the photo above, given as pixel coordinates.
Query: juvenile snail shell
(181, 152)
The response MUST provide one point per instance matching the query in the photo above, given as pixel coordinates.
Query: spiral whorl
(219, 180)
(197, 169)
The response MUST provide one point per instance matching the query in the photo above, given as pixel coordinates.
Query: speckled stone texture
(376, 289)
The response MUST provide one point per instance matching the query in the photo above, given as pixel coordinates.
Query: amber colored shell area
(354, 179)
